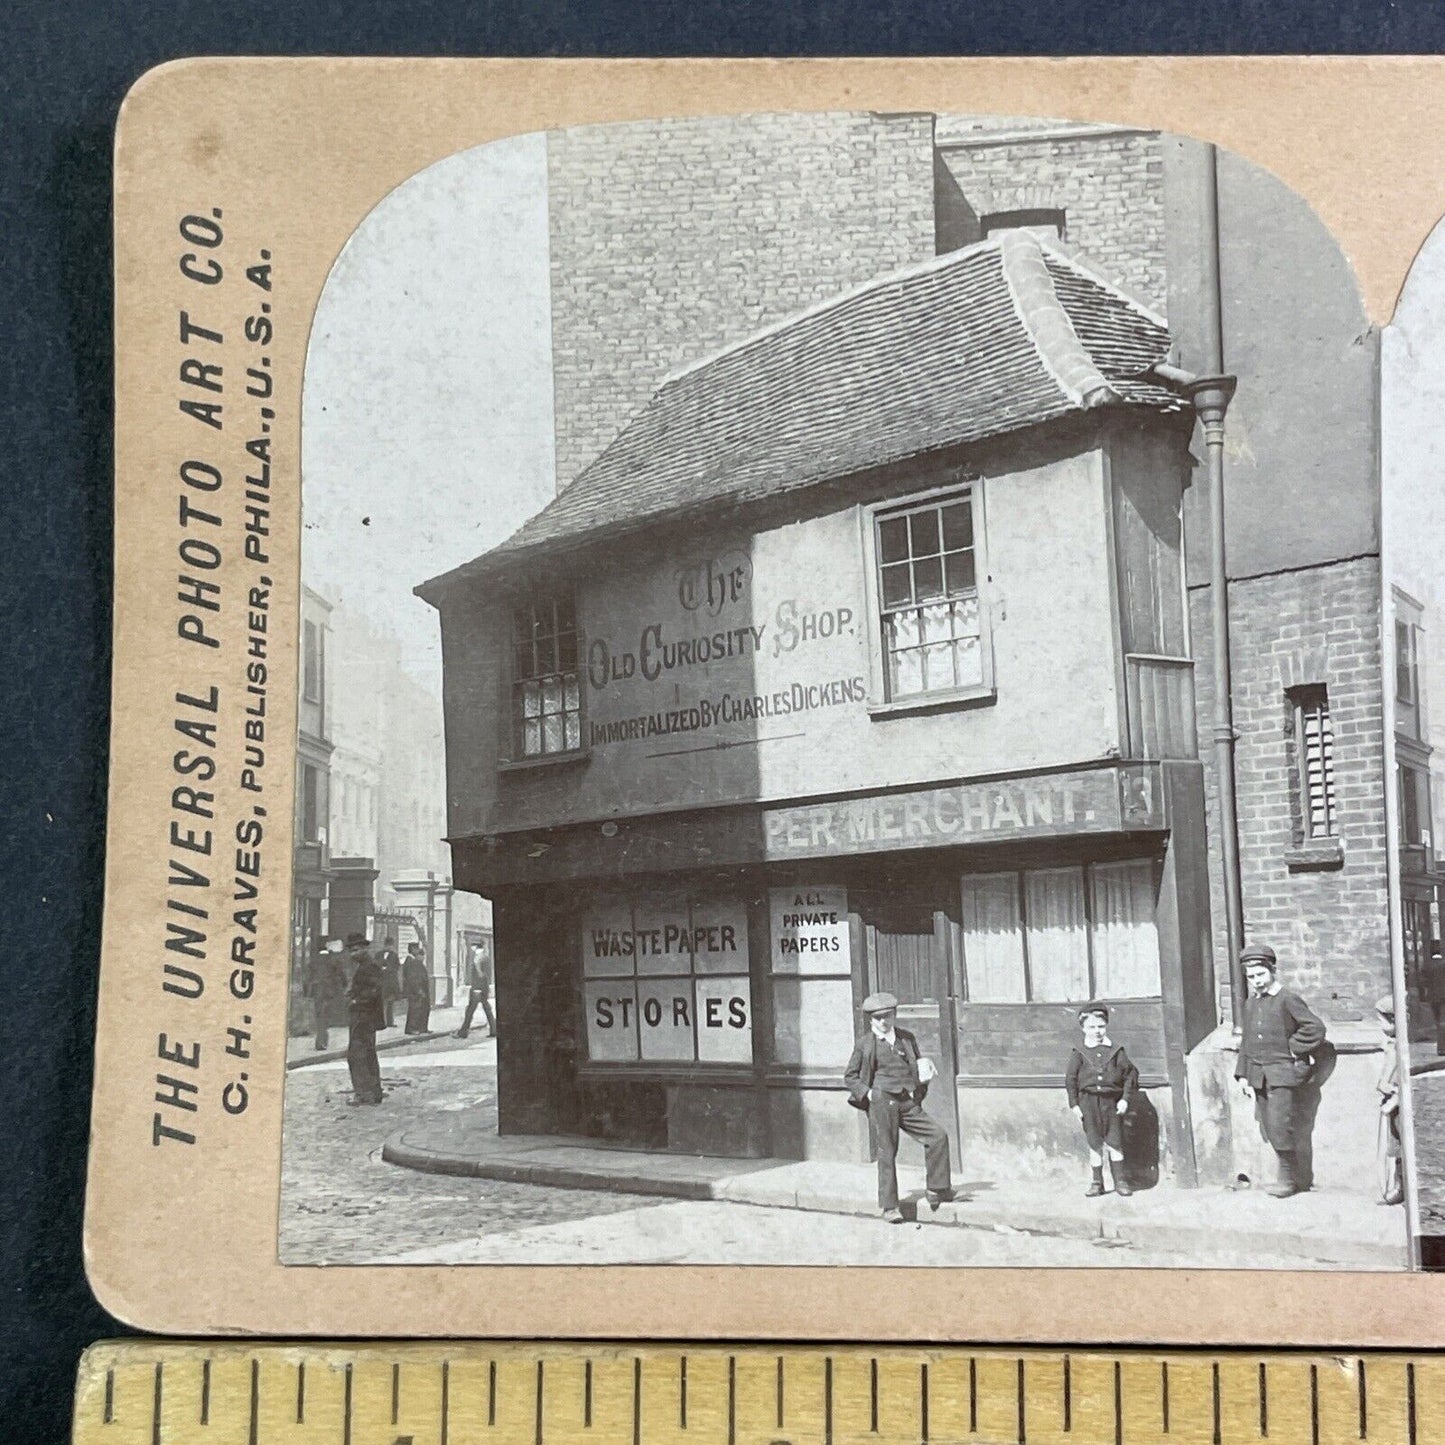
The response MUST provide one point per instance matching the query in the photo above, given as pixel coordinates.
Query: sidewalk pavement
(301, 1048)
(1328, 1226)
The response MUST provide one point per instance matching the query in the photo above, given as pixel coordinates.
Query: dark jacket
(366, 993)
(327, 979)
(391, 973)
(1117, 1078)
(479, 970)
(858, 1076)
(415, 980)
(1279, 1036)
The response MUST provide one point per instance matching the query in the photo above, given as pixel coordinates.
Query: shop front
(712, 1011)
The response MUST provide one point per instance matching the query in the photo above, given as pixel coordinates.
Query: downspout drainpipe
(1211, 394)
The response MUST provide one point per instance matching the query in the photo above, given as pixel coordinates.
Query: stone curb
(330, 1056)
(1197, 1240)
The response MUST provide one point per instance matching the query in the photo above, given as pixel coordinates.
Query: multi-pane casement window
(929, 611)
(1061, 935)
(546, 695)
(1315, 762)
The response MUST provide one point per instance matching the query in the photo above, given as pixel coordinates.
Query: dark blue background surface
(64, 69)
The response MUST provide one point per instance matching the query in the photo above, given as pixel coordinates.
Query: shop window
(1061, 935)
(546, 696)
(931, 623)
(665, 979)
(311, 671)
(1314, 742)
(812, 977)
(1418, 938)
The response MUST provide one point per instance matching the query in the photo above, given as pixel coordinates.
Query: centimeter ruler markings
(144, 1393)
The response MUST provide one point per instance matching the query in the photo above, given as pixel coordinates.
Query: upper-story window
(930, 620)
(1040, 220)
(311, 803)
(546, 698)
(1315, 762)
(1407, 680)
(311, 670)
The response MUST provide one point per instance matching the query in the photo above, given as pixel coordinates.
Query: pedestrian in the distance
(1101, 1082)
(327, 988)
(479, 984)
(416, 988)
(888, 1077)
(391, 978)
(364, 1018)
(1277, 1045)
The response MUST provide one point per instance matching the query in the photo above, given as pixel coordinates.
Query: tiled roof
(1002, 335)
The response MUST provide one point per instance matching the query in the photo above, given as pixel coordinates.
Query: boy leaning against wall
(1101, 1082)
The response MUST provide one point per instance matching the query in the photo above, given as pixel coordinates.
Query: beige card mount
(657, 600)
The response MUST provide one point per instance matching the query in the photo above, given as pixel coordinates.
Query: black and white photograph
(1413, 504)
(846, 713)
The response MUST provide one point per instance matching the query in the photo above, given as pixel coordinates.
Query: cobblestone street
(340, 1204)
(1428, 1106)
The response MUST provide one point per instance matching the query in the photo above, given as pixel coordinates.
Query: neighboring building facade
(1414, 509)
(311, 852)
(388, 790)
(1420, 792)
(870, 648)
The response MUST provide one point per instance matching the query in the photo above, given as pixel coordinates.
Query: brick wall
(1110, 187)
(1319, 624)
(671, 239)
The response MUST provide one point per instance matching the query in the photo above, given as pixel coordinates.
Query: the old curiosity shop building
(870, 643)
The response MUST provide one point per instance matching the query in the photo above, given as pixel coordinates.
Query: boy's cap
(877, 1003)
(1102, 1009)
(1385, 1007)
(1258, 953)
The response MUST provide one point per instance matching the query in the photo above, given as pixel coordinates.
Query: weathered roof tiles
(1006, 334)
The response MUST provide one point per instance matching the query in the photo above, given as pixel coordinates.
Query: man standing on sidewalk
(391, 981)
(416, 989)
(364, 1017)
(479, 984)
(1279, 1038)
(888, 1077)
(327, 989)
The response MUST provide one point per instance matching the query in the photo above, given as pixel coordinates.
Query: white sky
(427, 431)
(1413, 403)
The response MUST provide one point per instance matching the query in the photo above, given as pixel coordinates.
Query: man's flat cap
(356, 940)
(877, 1003)
(1258, 953)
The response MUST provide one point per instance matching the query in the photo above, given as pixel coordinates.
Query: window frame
(514, 755)
(313, 661)
(640, 1067)
(1085, 868)
(310, 810)
(1409, 710)
(1025, 218)
(1419, 787)
(1301, 700)
(881, 704)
